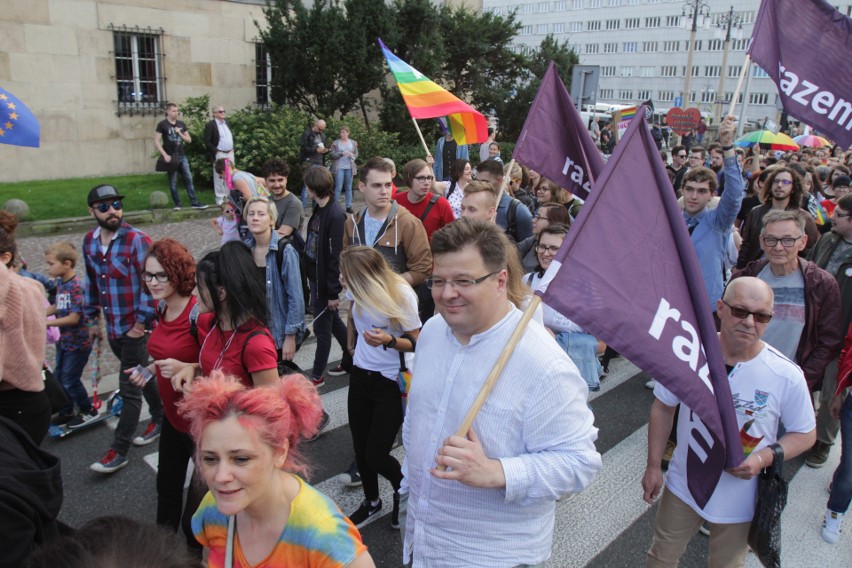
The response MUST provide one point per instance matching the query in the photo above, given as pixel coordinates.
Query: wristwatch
(390, 344)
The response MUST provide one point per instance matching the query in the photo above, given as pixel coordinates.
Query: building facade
(642, 48)
(96, 73)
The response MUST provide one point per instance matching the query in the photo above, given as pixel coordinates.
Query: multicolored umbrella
(811, 141)
(768, 140)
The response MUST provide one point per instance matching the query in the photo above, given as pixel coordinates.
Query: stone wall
(57, 57)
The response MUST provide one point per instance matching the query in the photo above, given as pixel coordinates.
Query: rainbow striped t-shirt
(317, 535)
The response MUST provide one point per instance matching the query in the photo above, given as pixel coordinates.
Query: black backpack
(193, 317)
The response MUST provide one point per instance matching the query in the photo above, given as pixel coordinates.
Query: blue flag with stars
(18, 125)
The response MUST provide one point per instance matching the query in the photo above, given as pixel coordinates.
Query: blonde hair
(271, 210)
(373, 285)
(517, 290)
(63, 251)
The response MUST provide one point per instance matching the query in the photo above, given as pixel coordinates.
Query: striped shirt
(536, 422)
(114, 280)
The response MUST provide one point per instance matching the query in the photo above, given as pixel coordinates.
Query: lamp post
(728, 22)
(695, 9)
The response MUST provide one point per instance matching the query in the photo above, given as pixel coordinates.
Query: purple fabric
(804, 45)
(626, 264)
(555, 142)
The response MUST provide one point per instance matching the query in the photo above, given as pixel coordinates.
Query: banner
(804, 45)
(18, 125)
(426, 99)
(627, 273)
(556, 142)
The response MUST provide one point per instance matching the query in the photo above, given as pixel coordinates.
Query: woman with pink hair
(258, 512)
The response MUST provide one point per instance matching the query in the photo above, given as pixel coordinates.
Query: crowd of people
(435, 278)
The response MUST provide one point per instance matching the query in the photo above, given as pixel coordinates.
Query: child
(226, 224)
(74, 347)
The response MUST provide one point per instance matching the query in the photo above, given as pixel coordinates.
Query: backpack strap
(432, 201)
(253, 334)
(511, 219)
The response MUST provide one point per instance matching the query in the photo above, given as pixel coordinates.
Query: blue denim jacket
(283, 291)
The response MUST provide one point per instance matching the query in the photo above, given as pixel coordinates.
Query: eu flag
(18, 125)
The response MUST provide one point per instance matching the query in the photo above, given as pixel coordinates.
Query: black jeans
(328, 324)
(29, 410)
(130, 352)
(375, 415)
(176, 449)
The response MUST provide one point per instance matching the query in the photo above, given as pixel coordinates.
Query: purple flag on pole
(555, 142)
(627, 273)
(804, 45)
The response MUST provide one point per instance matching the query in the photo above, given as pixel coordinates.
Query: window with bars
(593, 25)
(625, 94)
(758, 98)
(605, 93)
(643, 95)
(671, 46)
(263, 76)
(652, 22)
(592, 47)
(630, 47)
(666, 96)
(608, 71)
(712, 70)
(138, 70)
(631, 23)
(649, 46)
(610, 48)
(672, 21)
(669, 71)
(613, 24)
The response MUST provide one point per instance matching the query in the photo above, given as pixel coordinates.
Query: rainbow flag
(628, 113)
(425, 99)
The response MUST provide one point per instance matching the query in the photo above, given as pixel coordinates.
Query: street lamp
(697, 9)
(729, 22)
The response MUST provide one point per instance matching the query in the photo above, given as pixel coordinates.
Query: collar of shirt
(474, 339)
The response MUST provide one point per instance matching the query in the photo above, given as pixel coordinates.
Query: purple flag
(804, 45)
(627, 273)
(555, 142)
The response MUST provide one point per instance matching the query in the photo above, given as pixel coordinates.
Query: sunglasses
(742, 313)
(104, 206)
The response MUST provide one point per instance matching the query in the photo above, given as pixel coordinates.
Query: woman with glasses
(548, 192)
(461, 174)
(547, 214)
(169, 277)
(383, 318)
(580, 346)
(516, 187)
(839, 188)
(280, 274)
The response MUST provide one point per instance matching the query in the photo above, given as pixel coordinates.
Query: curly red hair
(282, 415)
(177, 262)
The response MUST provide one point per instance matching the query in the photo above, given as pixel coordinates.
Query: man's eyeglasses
(786, 242)
(424, 179)
(841, 215)
(742, 313)
(160, 277)
(433, 282)
(220, 112)
(681, 155)
(541, 218)
(784, 182)
(546, 249)
(104, 206)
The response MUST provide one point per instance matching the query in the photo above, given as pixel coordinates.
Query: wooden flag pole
(505, 182)
(491, 380)
(736, 94)
(420, 134)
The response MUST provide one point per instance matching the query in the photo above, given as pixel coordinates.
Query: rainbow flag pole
(426, 99)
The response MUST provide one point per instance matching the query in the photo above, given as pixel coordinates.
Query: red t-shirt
(439, 216)
(172, 339)
(240, 356)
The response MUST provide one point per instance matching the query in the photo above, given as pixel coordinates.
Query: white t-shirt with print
(767, 389)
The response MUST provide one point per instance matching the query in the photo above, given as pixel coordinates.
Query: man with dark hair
(447, 151)
(290, 211)
(169, 138)
(806, 325)
(833, 253)
(678, 167)
(312, 151)
(115, 262)
(384, 225)
(783, 190)
(219, 142)
(323, 244)
(512, 215)
(697, 155)
(533, 442)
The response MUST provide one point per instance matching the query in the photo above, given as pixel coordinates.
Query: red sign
(682, 121)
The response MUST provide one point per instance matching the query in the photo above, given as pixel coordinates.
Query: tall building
(642, 48)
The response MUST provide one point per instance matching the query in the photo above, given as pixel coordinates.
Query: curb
(135, 218)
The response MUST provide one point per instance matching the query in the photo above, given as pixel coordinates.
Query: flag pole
(736, 94)
(496, 371)
(505, 181)
(420, 134)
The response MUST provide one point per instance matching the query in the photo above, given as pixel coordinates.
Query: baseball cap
(841, 181)
(103, 192)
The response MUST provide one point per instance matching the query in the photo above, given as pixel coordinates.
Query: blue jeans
(131, 352)
(186, 176)
(582, 349)
(343, 179)
(841, 487)
(68, 370)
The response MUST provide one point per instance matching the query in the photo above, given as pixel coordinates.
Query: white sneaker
(651, 384)
(831, 526)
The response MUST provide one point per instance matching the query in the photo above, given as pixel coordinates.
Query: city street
(608, 525)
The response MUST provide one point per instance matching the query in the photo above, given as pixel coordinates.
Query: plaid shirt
(114, 280)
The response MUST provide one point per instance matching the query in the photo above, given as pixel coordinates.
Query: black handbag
(764, 535)
(55, 393)
(164, 166)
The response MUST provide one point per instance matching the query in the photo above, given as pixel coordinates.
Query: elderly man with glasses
(806, 325)
(219, 142)
(115, 254)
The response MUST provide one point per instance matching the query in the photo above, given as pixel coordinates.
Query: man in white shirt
(767, 389)
(220, 144)
(531, 443)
